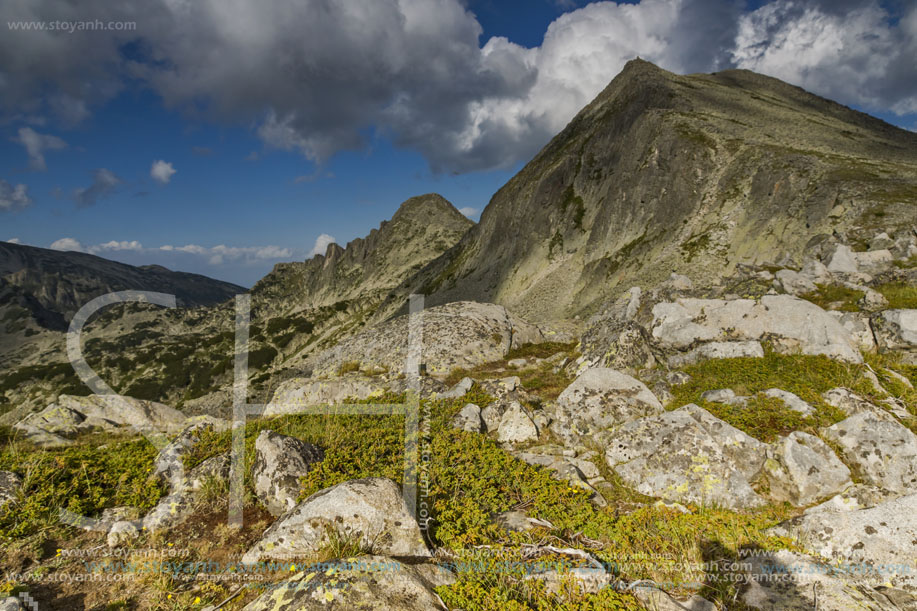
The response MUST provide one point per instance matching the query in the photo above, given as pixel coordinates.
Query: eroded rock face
(279, 463)
(516, 425)
(881, 450)
(802, 469)
(896, 330)
(793, 582)
(461, 334)
(9, 487)
(688, 455)
(791, 324)
(371, 510)
(601, 398)
(881, 537)
(469, 419)
(365, 583)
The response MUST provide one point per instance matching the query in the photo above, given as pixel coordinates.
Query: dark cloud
(315, 76)
(104, 183)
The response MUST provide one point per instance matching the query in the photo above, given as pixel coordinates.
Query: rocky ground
(749, 444)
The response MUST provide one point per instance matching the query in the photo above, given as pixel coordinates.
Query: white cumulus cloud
(66, 244)
(321, 244)
(857, 56)
(116, 245)
(14, 241)
(162, 171)
(469, 211)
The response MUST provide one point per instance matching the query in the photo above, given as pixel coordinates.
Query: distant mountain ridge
(423, 228)
(55, 284)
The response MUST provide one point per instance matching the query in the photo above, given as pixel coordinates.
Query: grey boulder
(601, 398)
(279, 463)
(879, 448)
(364, 583)
(801, 469)
(469, 419)
(370, 511)
(516, 425)
(880, 537)
(688, 455)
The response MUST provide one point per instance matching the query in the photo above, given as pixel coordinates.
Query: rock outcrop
(801, 469)
(368, 511)
(688, 455)
(790, 324)
(878, 540)
(794, 582)
(880, 449)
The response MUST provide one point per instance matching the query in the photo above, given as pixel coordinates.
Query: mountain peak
(430, 205)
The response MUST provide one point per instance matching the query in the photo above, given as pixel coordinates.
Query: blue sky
(270, 135)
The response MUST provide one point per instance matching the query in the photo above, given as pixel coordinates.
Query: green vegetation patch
(900, 296)
(835, 297)
(540, 379)
(84, 479)
(765, 418)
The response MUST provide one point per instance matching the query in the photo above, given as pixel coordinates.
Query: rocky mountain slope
(694, 174)
(54, 285)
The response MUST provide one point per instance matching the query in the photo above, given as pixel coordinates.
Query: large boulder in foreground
(601, 398)
(688, 455)
(456, 335)
(365, 583)
(369, 510)
(802, 469)
(279, 463)
(881, 537)
(879, 448)
(791, 324)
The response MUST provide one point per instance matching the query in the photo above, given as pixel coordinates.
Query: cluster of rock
(689, 456)
(677, 324)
